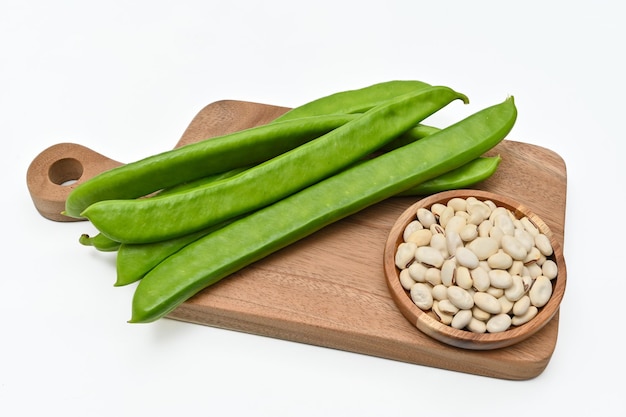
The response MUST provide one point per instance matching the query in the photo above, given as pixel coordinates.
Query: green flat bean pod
(354, 101)
(134, 261)
(197, 160)
(464, 176)
(227, 250)
(161, 218)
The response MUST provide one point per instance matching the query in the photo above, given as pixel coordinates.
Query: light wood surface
(329, 289)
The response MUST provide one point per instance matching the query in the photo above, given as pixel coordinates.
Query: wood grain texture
(329, 289)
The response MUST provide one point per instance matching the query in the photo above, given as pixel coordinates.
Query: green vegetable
(469, 174)
(354, 101)
(100, 242)
(228, 249)
(160, 218)
(187, 163)
(134, 261)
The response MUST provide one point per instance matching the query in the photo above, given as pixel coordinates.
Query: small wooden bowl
(427, 322)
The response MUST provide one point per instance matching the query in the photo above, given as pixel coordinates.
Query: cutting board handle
(57, 170)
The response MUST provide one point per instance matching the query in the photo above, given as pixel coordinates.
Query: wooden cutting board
(329, 289)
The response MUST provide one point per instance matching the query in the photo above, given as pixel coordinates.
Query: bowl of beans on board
(474, 269)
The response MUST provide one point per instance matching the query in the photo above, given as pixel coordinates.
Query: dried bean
(461, 319)
(540, 292)
(448, 271)
(525, 318)
(429, 256)
(405, 279)
(405, 254)
(499, 323)
(440, 292)
(466, 257)
(500, 278)
(426, 217)
(477, 326)
(422, 296)
(410, 228)
(487, 303)
(549, 269)
(460, 298)
(483, 247)
(420, 237)
(463, 278)
(542, 242)
(417, 271)
(433, 276)
(500, 260)
(520, 307)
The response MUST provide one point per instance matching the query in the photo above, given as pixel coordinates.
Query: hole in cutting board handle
(65, 171)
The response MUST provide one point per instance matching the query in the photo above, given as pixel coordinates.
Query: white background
(125, 78)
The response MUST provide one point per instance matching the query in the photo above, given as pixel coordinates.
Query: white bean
(417, 271)
(440, 292)
(461, 319)
(405, 279)
(448, 272)
(500, 278)
(476, 326)
(549, 269)
(480, 278)
(429, 256)
(500, 260)
(529, 226)
(541, 291)
(433, 276)
(516, 290)
(542, 242)
(520, 307)
(445, 216)
(480, 314)
(456, 223)
(466, 257)
(513, 247)
(468, 232)
(420, 237)
(422, 296)
(460, 298)
(410, 228)
(405, 254)
(453, 241)
(506, 304)
(426, 217)
(499, 323)
(458, 204)
(463, 278)
(483, 247)
(444, 317)
(447, 307)
(525, 318)
(487, 303)
(504, 223)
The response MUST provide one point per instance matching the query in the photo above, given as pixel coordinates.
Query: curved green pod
(161, 218)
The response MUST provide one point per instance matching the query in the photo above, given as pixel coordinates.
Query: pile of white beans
(475, 265)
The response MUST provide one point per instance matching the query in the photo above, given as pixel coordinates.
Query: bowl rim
(432, 327)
